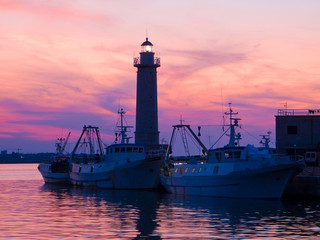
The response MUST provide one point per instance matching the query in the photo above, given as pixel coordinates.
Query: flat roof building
(298, 131)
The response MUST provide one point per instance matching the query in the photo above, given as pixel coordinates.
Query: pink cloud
(51, 10)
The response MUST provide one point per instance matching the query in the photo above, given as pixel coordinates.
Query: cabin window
(216, 168)
(123, 149)
(135, 149)
(228, 155)
(237, 154)
(176, 170)
(110, 150)
(129, 149)
(186, 170)
(116, 150)
(292, 130)
(107, 151)
(79, 169)
(199, 170)
(193, 169)
(140, 150)
(181, 170)
(218, 155)
(91, 168)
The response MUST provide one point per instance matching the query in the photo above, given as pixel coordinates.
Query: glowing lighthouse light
(146, 46)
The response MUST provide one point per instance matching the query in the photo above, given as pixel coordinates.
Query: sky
(65, 64)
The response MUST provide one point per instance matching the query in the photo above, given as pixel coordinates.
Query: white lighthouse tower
(147, 103)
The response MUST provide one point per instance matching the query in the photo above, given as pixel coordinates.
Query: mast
(265, 140)
(122, 129)
(234, 138)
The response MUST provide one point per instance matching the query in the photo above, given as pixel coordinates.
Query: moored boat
(231, 171)
(122, 166)
(56, 170)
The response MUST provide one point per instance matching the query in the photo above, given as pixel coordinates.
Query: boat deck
(310, 171)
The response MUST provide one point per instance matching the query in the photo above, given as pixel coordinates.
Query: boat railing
(46, 160)
(297, 158)
(155, 153)
(156, 150)
(87, 158)
(274, 157)
(195, 159)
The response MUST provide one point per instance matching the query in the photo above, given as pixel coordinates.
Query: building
(298, 133)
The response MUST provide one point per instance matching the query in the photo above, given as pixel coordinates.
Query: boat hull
(53, 177)
(265, 183)
(143, 174)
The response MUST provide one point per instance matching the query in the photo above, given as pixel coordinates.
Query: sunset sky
(64, 64)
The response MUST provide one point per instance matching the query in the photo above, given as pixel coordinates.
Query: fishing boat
(123, 165)
(56, 170)
(231, 171)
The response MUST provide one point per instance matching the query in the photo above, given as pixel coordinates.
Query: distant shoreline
(25, 158)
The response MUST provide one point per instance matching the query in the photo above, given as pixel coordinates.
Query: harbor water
(30, 209)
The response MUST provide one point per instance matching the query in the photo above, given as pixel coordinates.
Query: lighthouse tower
(147, 103)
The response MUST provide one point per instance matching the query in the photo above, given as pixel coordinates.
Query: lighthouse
(147, 103)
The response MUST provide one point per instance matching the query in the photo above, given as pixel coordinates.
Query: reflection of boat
(124, 166)
(57, 170)
(231, 171)
(122, 214)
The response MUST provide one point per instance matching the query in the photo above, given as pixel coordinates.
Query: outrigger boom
(183, 126)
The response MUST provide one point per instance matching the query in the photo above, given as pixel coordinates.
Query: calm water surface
(30, 209)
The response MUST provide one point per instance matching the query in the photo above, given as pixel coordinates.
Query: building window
(292, 130)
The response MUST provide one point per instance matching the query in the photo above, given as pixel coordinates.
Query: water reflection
(131, 212)
(153, 215)
(223, 218)
(32, 210)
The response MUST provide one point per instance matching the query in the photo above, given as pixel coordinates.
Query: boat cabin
(114, 149)
(227, 155)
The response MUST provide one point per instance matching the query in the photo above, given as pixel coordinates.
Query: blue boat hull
(142, 174)
(53, 177)
(264, 183)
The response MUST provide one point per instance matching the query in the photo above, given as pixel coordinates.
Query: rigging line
(193, 140)
(220, 137)
(173, 140)
(250, 134)
(272, 143)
